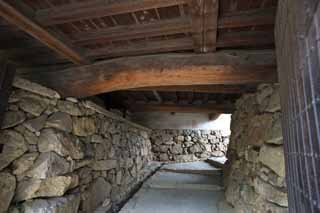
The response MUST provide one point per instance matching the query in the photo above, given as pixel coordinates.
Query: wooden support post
(7, 72)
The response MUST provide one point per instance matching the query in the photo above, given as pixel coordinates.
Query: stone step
(201, 168)
(166, 185)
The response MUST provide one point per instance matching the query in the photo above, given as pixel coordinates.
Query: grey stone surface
(13, 146)
(50, 187)
(60, 142)
(273, 157)
(49, 164)
(66, 204)
(7, 186)
(61, 121)
(169, 192)
(12, 118)
(84, 126)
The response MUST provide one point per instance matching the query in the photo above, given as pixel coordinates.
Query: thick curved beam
(163, 70)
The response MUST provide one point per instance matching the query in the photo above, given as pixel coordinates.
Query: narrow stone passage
(181, 188)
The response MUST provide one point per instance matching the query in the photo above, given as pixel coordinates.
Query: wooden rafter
(61, 46)
(163, 70)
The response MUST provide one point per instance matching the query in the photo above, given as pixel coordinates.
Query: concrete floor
(181, 188)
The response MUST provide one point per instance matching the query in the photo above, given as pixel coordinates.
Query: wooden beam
(252, 18)
(233, 68)
(141, 48)
(62, 47)
(7, 72)
(204, 15)
(164, 46)
(205, 108)
(98, 8)
(220, 89)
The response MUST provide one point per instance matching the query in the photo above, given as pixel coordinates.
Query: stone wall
(67, 155)
(188, 145)
(255, 170)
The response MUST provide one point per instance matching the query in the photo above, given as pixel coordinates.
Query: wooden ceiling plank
(62, 47)
(220, 89)
(165, 27)
(230, 68)
(185, 108)
(98, 8)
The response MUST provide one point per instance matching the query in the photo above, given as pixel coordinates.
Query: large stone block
(273, 157)
(13, 146)
(271, 193)
(61, 121)
(24, 163)
(84, 126)
(7, 186)
(50, 187)
(66, 204)
(257, 129)
(70, 108)
(60, 142)
(12, 118)
(95, 196)
(49, 164)
(101, 165)
(33, 105)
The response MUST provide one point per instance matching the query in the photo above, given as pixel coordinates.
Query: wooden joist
(246, 39)
(172, 26)
(256, 17)
(219, 89)
(203, 108)
(118, 33)
(144, 47)
(22, 21)
(204, 19)
(99, 8)
(234, 67)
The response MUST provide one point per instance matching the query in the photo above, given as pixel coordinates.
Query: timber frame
(149, 51)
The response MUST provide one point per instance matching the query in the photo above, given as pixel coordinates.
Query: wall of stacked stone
(255, 170)
(188, 145)
(67, 155)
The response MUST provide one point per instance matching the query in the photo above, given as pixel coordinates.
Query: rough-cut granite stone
(255, 170)
(49, 164)
(24, 163)
(35, 125)
(61, 121)
(13, 146)
(97, 193)
(60, 142)
(66, 204)
(13, 118)
(50, 187)
(32, 105)
(7, 189)
(84, 126)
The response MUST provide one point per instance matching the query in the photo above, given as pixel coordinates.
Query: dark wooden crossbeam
(219, 89)
(232, 68)
(142, 48)
(25, 23)
(98, 8)
(229, 40)
(186, 108)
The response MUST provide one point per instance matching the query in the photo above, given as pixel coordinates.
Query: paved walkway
(181, 188)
